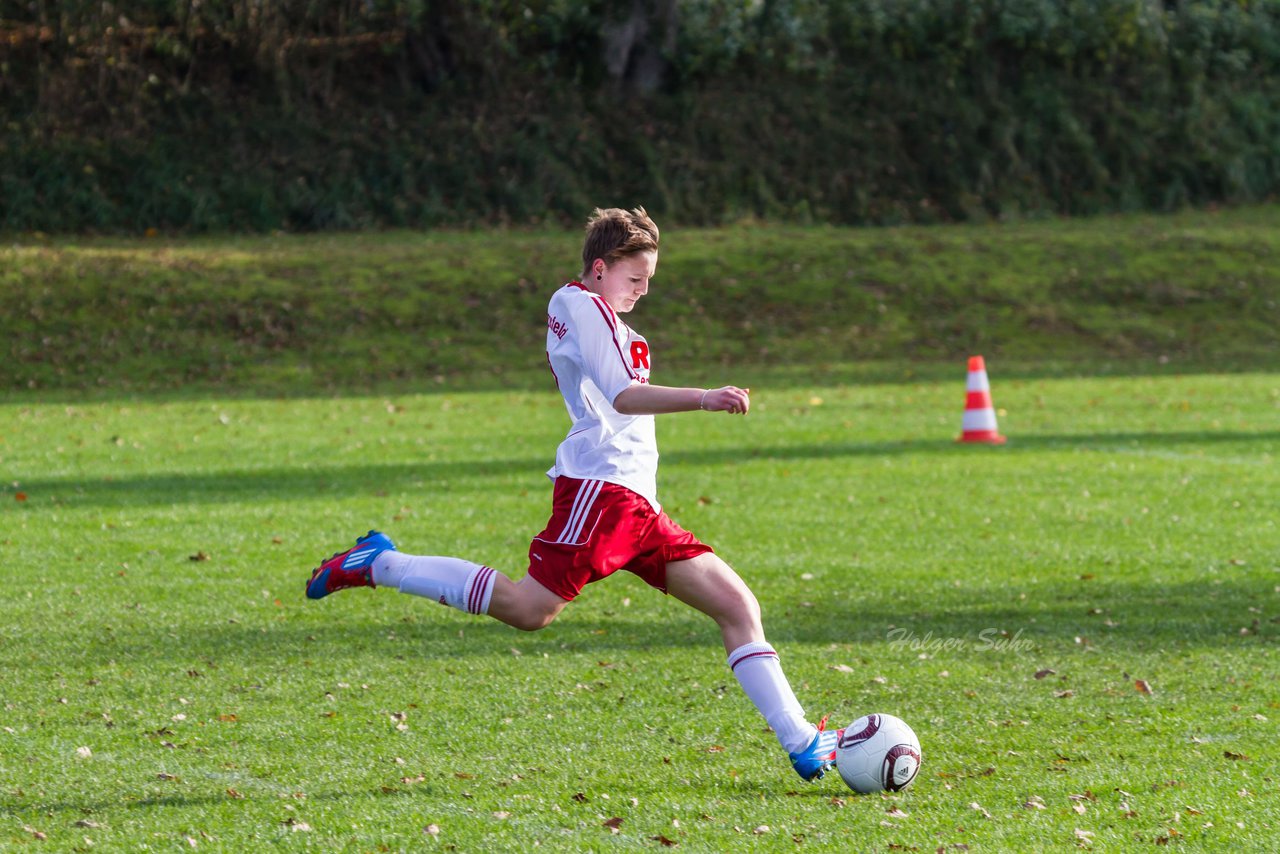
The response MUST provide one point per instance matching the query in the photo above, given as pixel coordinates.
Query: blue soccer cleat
(352, 568)
(820, 756)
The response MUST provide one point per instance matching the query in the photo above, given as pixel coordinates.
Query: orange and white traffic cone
(979, 414)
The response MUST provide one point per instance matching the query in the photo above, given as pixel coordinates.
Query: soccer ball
(878, 753)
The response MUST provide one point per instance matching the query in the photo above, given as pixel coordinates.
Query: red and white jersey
(594, 357)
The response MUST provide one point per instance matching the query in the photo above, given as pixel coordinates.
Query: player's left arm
(646, 399)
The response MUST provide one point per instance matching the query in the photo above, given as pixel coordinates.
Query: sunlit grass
(165, 684)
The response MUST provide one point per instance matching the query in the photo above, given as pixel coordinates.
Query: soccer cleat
(352, 568)
(820, 756)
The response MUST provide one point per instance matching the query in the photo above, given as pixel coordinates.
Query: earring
(599, 277)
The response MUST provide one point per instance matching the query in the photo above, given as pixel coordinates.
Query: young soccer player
(605, 514)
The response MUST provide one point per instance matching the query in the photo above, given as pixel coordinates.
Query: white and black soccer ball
(878, 753)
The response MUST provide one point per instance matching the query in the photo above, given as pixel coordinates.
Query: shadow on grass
(292, 484)
(1128, 616)
(115, 805)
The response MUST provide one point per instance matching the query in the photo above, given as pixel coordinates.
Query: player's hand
(731, 399)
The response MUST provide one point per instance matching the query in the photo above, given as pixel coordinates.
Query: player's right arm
(646, 399)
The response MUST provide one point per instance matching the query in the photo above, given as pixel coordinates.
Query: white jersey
(595, 356)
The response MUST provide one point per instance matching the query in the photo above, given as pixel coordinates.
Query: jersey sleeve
(600, 343)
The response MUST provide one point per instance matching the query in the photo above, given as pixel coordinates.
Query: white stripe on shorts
(581, 509)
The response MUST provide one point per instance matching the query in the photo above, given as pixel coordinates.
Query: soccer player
(605, 513)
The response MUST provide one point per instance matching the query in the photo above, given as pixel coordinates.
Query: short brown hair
(613, 233)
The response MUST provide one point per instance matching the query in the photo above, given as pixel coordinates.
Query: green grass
(186, 428)
(154, 551)
(410, 312)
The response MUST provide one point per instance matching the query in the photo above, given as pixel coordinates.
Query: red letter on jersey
(639, 355)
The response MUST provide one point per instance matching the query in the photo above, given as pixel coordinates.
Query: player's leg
(375, 562)
(711, 586)
(467, 586)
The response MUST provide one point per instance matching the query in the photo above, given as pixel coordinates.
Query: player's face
(623, 282)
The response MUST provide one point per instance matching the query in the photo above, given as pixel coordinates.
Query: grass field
(333, 312)
(1081, 625)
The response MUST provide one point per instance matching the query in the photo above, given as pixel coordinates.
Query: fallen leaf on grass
(89, 823)
(977, 807)
(762, 830)
(1035, 802)
(1238, 757)
(198, 556)
(432, 830)
(614, 824)
(662, 840)
(1040, 674)
(1142, 686)
(895, 812)
(840, 668)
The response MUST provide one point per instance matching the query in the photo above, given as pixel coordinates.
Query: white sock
(450, 581)
(758, 671)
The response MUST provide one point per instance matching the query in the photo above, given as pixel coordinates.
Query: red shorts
(597, 528)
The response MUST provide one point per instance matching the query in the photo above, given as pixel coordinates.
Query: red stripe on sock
(734, 665)
(483, 578)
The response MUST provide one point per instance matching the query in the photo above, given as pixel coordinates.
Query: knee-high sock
(758, 671)
(450, 581)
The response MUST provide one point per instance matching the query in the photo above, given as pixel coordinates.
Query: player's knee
(741, 608)
(750, 608)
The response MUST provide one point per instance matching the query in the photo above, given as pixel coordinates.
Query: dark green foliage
(233, 115)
